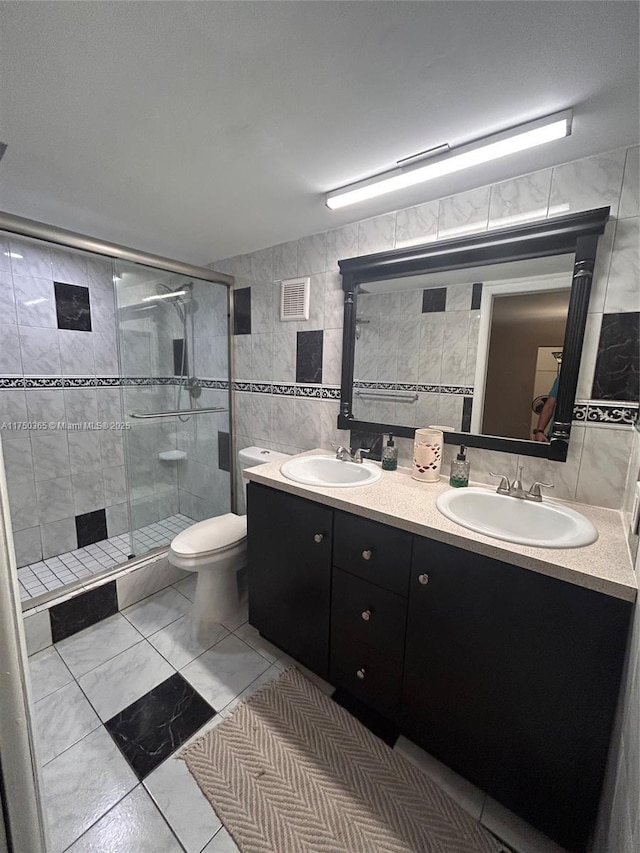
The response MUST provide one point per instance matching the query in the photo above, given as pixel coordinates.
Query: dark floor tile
(91, 527)
(309, 357)
(434, 299)
(617, 373)
(72, 306)
(155, 726)
(242, 311)
(372, 720)
(83, 610)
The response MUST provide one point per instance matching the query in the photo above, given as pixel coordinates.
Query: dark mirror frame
(576, 233)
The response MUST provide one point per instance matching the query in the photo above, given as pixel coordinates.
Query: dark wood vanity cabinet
(289, 543)
(505, 675)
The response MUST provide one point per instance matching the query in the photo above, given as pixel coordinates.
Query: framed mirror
(481, 334)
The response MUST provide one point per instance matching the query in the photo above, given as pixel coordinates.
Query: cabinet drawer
(368, 613)
(373, 551)
(366, 673)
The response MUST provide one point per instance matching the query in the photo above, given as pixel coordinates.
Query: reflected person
(543, 427)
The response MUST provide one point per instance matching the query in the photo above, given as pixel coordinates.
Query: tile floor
(55, 572)
(124, 696)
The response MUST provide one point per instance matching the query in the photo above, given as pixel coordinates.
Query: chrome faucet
(345, 453)
(516, 489)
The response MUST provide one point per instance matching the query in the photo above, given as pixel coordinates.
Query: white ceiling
(199, 130)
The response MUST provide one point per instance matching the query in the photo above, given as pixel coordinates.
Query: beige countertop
(397, 500)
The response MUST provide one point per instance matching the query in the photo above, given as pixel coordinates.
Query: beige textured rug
(290, 771)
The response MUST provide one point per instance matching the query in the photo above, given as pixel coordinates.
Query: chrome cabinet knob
(318, 537)
(424, 579)
(361, 673)
(366, 555)
(366, 615)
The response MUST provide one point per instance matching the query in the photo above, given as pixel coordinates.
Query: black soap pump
(460, 470)
(390, 455)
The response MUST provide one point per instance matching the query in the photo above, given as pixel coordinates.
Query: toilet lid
(212, 534)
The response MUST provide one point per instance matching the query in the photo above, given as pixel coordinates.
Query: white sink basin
(329, 471)
(543, 525)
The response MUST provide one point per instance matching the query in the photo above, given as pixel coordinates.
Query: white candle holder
(427, 455)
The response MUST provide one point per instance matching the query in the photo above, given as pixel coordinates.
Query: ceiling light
(171, 295)
(13, 255)
(420, 169)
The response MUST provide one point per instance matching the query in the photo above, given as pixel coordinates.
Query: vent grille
(294, 299)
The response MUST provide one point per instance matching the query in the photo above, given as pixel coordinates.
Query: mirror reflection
(477, 349)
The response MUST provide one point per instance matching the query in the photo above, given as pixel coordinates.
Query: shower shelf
(175, 412)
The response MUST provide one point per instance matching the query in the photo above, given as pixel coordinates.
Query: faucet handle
(505, 485)
(535, 493)
(357, 456)
(341, 452)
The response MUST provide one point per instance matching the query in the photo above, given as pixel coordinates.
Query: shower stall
(114, 402)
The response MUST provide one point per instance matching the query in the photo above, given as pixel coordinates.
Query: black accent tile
(72, 307)
(179, 368)
(224, 452)
(83, 610)
(242, 311)
(91, 527)
(617, 373)
(476, 295)
(372, 440)
(153, 727)
(372, 720)
(309, 357)
(467, 405)
(434, 299)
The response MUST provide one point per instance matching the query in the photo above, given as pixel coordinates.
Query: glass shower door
(173, 340)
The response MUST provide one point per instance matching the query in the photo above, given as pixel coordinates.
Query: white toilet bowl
(216, 549)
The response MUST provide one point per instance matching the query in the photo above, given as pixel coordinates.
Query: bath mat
(290, 771)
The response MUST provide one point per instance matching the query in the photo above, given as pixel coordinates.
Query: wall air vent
(294, 299)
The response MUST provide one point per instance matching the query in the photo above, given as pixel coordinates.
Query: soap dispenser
(460, 470)
(390, 455)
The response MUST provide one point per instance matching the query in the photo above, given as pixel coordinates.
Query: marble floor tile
(224, 671)
(48, 673)
(134, 825)
(114, 685)
(187, 586)
(183, 804)
(88, 649)
(268, 675)
(152, 728)
(153, 613)
(285, 661)
(466, 795)
(221, 842)
(81, 785)
(252, 637)
(62, 719)
(37, 631)
(179, 644)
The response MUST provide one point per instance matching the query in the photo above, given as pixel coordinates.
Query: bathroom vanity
(502, 661)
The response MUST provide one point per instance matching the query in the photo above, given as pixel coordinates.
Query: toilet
(216, 549)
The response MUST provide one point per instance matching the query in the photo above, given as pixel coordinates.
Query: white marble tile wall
(55, 475)
(597, 467)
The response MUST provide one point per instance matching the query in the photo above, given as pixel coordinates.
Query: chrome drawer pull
(361, 673)
(366, 615)
(366, 555)
(423, 579)
(318, 538)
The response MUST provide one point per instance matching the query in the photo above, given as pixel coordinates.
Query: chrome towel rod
(400, 396)
(173, 414)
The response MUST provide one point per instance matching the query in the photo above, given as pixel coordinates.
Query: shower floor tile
(56, 572)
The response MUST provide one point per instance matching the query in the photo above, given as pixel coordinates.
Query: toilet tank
(251, 456)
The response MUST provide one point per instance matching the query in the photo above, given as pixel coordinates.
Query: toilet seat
(211, 537)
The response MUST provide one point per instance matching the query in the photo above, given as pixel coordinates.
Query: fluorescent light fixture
(419, 170)
(158, 296)
(13, 255)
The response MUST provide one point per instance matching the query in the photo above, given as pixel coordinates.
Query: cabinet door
(511, 679)
(290, 573)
